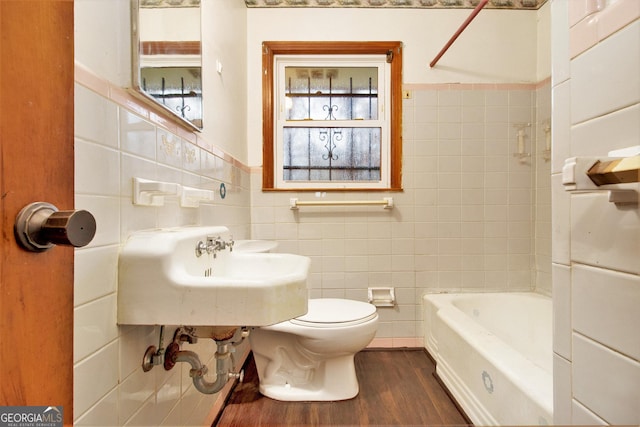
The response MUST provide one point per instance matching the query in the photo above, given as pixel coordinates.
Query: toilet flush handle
(40, 226)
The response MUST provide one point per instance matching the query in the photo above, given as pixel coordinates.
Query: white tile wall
(113, 145)
(465, 220)
(604, 234)
(596, 244)
(561, 390)
(605, 306)
(562, 310)
(561, 125)
(541, 191)
(95, 377)
(606, 382)
(561, 221)
(581, 415)
(560, 64)
(602, 80)
(587, 138)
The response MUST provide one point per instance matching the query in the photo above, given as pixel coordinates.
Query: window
(332, 115)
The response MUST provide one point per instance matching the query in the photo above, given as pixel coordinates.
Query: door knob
(40, 226)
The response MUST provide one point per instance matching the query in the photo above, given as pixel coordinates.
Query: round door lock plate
(28, 223)
(40, 226)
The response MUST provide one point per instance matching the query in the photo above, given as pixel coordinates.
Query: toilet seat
(334, 312)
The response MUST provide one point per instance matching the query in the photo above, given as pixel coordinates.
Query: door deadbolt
(40, 226)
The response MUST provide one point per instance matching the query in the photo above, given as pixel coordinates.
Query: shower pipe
(457, 33)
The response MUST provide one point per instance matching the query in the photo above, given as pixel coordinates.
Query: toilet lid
(334, 311)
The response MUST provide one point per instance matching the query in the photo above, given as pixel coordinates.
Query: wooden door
(36, 164)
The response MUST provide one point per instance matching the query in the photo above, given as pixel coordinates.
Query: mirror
(167, 59)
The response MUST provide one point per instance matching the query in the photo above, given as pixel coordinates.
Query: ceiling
(400, 4)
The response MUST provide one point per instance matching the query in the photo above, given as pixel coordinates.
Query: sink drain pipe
(198, 370)
(223, 356)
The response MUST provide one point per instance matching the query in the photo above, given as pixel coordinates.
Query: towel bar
(616, 171)
(387, 203)
(613, 174)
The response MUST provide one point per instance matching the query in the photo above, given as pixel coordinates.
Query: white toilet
(310, 358)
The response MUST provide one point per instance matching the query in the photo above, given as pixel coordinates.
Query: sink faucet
(213, 245)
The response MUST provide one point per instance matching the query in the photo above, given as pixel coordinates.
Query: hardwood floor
(397, 388)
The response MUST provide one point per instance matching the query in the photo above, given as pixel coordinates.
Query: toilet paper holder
(382, 297)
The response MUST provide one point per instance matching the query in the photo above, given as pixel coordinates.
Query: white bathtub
(493, 351)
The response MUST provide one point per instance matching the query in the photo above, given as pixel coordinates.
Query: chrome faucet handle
(220, 244)
(213, 245)
(201, 248)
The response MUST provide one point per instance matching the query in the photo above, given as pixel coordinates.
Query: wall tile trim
(477, 86)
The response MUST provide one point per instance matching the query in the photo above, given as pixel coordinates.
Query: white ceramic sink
(255, 246)
(163, 281)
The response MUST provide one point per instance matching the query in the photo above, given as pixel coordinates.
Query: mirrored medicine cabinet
(167, 56)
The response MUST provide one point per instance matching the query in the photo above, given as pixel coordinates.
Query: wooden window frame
(170, 48)
(270, 49)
